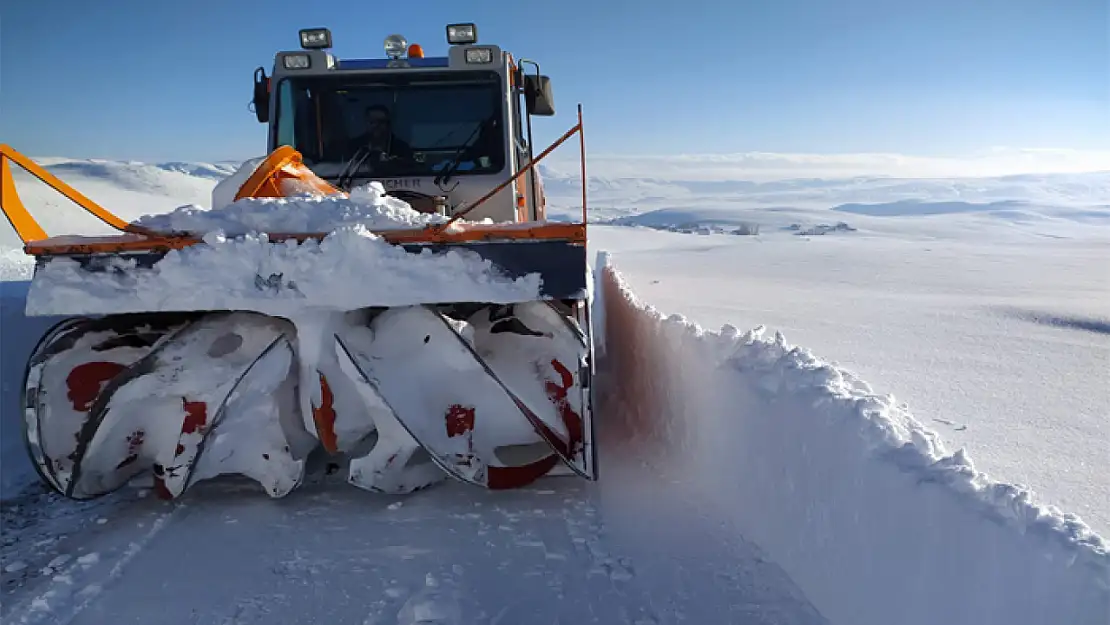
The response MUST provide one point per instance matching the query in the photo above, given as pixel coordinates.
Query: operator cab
(434, 131)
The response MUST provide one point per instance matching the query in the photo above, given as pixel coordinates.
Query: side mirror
(261, 99)
(537, 95)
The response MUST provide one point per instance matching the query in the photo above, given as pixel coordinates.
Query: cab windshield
(394, 125)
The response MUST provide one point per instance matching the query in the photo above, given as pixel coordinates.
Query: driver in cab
(379, 142)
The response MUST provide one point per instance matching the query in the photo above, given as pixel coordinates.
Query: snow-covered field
(798, 494)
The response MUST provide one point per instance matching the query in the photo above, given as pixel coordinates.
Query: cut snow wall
(856, 501)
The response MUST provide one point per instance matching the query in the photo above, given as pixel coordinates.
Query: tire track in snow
(60, 591)
(334, 554)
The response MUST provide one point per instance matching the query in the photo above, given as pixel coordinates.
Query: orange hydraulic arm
(577, 128)
(25, 226)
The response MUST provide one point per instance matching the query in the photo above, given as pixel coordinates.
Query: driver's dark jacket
(398, 148)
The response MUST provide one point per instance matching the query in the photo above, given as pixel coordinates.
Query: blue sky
(152, 80)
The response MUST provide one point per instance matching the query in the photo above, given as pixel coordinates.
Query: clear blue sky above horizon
(152, 80)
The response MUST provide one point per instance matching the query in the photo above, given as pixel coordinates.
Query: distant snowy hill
(1060, 205)
(1053, 204)
(1080, 189)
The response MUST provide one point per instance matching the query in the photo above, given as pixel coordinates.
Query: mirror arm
(534, 199)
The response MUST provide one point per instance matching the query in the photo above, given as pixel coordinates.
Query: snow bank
(367, 206)
(861, 505)
(175, 179)
(350, 268)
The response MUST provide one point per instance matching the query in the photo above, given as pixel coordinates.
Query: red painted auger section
(516, 477)
(195, 421)
(324, 418)
(85, 381)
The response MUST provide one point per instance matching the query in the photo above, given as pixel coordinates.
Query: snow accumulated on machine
(383, 288)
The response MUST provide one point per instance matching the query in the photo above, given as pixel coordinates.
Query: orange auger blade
(25, 225)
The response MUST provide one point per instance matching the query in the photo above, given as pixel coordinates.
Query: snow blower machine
(452, 342)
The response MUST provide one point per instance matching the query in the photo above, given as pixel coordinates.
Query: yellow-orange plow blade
(281, 174)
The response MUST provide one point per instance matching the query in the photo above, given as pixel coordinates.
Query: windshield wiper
(347, 174)
(456, 159)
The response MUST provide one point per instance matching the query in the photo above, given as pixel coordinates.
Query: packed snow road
(564, 551)
(331, 553)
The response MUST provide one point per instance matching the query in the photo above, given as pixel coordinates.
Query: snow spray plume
(631, 373)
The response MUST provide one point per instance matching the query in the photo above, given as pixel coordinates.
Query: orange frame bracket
(17, 214)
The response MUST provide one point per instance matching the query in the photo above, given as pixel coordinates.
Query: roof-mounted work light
(461, 34)
(395, 46)
(315, 38)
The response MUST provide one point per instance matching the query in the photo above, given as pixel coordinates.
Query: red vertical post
(582, 153)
